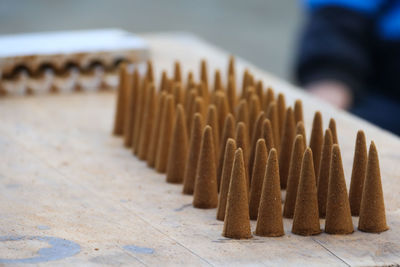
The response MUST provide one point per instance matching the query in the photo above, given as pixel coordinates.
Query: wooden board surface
(71, 194)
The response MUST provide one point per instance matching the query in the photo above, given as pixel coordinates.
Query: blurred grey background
(261, 31)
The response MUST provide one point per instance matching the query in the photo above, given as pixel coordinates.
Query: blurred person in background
(349, 55)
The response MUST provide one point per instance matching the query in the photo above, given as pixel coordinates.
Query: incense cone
(301, 130)
(228, 132)
(242, 142)
(198, 107)
(338, 216)
(260, 92)
(189, 100)
(212, 120)
(222, 109)
(229, 156)
(204, 73)
(178, 93)
(130, 118)
(358, 173)
(316, 140)
(267, 134)
(286, 146)
(298, 111)
(163, 82)
(149, 71)
(306, 219)
(323, 174)
(138, 116)
(245, 83)
(128, 107)
(281, 107)
(121, 99)
(254, 110)
(332, 127)
(257, 133)
(217, 80)
(231, 66)
(164, 141)
(231, 93)
(205, 189)
(257, 179)
(372, 209)
(269, 98)
(194, 152)
(269, 221)
(237, 221)
(148, 122)
(294, 177)
(178, 149)
(272, 115)
(177, 72)
(242, 113)
(155, 134)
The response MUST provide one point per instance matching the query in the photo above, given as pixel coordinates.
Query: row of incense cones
(236, 154)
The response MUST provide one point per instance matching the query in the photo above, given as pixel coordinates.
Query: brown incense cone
(298, 111)
(178, 93)
(177, 72)
(237, 221)
(302, 131)
(245, 83)
(194, 152)
(323, 174)
(164, 141)
(217, 80)
(190, 83)
(178, 149)
(306, 219)
(372, 209)
(227, 132)
(231, 93)
(130, 118)
(138, 115)
(242, 112)
(242, 141)
(205, 190)
(198, 107)
(269, 221)
(254, 110)
(257, 133)
(212, 120)
(316, 140)
(222, 109)
(260, 92)
(267, 134)
(231, 66)
(155, 134)
(148, 122)
(358, 173)
(128, 106)
(204, 73)
(294, 177)
(281, 106)
(189, 99)
(163, 82)
(149, 71)
(332, 127)
(121, 99)
(229, 156)
(286, 147)
(269, 98)
(338, 216)
(272, 115)
(257, 179)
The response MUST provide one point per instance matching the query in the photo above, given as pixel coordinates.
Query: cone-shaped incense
(257, 179)
(138, 116)
(257, 133)
(269, 98)
(286, 147)
(217, 80)
(128, 107)
(306, 219)
(231, 93)
(267, 134)
(178, 149)
(228, 132)
(204, 73)
(163, 82)
(372, 209)
(242, 114)
(177, 72)
(332, 127)
(281, 106)
(316, 140)
(358, 173)
(260, 92)
(222, 109)
(148, 122)
(149, 71)
(301, 130)
(272, 115)
(164, 141)
(298, 111)
(254, 110)
(269, 221)
(205, 190)
(242, 142)
(121, 99)
(231, 66)
(294, 177)
(338, 216)
(229, 156)
(212, 120)
(194, 152)
(237, 221)
(130, 118)
(178, 93)
(323, 175)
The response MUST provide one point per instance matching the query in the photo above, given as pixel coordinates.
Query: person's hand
(333, 92)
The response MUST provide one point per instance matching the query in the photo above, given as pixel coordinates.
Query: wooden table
(70, 192)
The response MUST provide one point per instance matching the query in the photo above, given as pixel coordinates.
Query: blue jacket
(353, 41)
